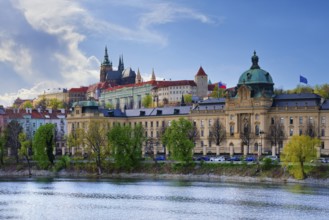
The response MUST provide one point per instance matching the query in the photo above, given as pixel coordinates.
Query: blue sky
(60, 43)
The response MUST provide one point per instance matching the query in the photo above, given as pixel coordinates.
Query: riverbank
(196, 172)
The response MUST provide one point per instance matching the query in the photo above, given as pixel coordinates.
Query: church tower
(138, 77)
(106, 66)
(153, 76)
(121, 65)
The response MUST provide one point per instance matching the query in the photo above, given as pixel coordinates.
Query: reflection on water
(136, 199)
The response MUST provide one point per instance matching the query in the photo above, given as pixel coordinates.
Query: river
(46, 198)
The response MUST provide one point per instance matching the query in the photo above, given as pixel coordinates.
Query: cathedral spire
(153, 75)
(106, 60)
(138, 77)
(121, 66)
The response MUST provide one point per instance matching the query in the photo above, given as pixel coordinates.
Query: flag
(221, 85)
(302, 79)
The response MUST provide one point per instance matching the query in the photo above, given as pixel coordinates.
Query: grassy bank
(86, 169)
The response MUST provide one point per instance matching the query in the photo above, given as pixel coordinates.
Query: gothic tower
(106, 66)
(201, 81)
(121, 65)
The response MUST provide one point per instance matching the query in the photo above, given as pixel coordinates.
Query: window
(157, 124)
(272, 121)
(300, 120)
(202, 123)
(209, 143)
(300, 132)
(202, 133)
(280, 144)
(202, 144)
(231, 117)
(151, 124)
(323, 132)
(291, 120)
(291, 132)
(210, 123)
(146, 124)
(257, 130)
(231, 130)
(152, 134)
(323, 119)
(311, 120)
(257, 117)
(282, 120)
(322, 145)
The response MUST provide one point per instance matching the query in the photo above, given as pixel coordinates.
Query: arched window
(257, 130)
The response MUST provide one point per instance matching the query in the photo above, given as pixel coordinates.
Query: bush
(267, 164)
(63, 163)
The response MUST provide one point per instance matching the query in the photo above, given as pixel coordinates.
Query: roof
(100, 85)
(201, 72)
(255, 75)
(34, 114)
(85, 104)
(299, 100)
(163, 84)
(81, 89)
(128, 73)
(211, 104)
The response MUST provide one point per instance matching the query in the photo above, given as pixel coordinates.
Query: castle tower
(106, 66)
(201, 80)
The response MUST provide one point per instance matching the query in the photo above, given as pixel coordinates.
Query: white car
(217, 159)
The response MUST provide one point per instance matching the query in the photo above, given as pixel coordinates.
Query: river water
(158, 199)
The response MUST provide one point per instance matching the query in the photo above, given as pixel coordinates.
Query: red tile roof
(201, 72)
(81, 89)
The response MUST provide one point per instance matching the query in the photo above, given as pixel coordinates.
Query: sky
(60, 43)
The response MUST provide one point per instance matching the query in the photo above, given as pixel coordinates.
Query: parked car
(203, 158)
(250, 159)
(217, 159)
(160, 158)
(320, 160)
(234, 158)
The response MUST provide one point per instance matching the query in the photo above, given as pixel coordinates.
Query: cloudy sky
(60, 43)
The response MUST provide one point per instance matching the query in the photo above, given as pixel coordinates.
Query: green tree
(188, 99)
(298, 150)
(126, 145)
(75, 138)
(55, 103)
(27, 104)
(95, 138)
(25, 150)
(217, 92)
(177, 138)
(11, 135)
(322, 90)
(43, 145)
(301, 89)
(147, 101)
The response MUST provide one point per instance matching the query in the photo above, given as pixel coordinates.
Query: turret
(201, 80)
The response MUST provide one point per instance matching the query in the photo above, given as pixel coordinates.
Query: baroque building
(253, 119)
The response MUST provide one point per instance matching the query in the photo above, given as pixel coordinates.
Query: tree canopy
(11, 136)
(217, 92)
(297, 151)
(147, 101)
(177, 138)
(126, 145)
(43, 145)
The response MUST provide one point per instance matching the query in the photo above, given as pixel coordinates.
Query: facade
(77, 94)
(164, 93)
(31, 119)
(61, 94)
(255, 121)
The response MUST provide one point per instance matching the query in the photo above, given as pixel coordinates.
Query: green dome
(255, 75)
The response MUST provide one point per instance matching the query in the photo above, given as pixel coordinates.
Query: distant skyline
(60, 44)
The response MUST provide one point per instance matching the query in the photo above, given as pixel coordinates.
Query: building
(31, 119)
(163, 92)
(253, 118)
(77, 94)
(61, 94)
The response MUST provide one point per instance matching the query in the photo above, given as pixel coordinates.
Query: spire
(153, 75)
(106, 60)
(254, 60)
(138, 77)
(121, 66)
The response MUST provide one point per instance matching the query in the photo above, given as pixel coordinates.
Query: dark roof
(146, 112)
(81, 89)
(298, 100)
(325, 105)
